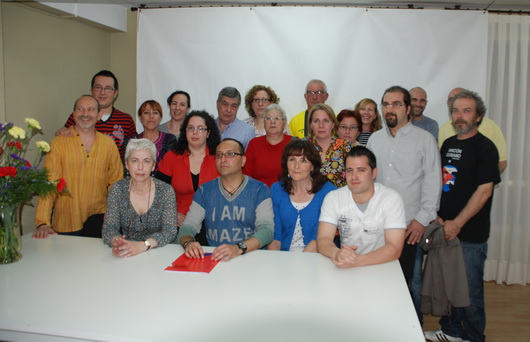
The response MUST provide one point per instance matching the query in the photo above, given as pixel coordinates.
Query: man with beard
(90, 163)
(408, 162)
(465, 205)
(486, 126)
(419, 102)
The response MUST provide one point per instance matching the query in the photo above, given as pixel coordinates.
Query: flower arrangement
(20, 180)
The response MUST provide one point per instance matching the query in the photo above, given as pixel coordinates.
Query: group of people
(246, 185)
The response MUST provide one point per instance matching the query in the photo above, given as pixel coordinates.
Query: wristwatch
(242, 247)
(147, 244)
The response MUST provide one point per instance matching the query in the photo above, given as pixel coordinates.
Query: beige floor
(507, 313)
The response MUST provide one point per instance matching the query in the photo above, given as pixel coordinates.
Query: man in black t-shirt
(470, 171)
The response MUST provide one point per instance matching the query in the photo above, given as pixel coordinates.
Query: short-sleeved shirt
(366, 230)
(466, 165)
(487, 127)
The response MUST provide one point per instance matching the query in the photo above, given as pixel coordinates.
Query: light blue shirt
(410, 164)
(238, 130)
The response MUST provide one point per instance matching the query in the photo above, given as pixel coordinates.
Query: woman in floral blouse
(322, 132)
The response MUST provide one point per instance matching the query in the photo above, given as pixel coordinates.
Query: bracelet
(40, 225)
(185, 244)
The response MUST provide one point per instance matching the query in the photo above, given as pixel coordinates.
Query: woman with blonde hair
(322, 133)
(370, 118)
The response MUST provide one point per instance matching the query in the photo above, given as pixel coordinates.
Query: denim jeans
(469, 323)
(416, 281)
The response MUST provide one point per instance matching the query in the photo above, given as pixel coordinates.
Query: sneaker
(439, 335)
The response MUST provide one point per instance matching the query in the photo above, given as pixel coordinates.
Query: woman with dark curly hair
(192, 162)
(297, 198)
(258, 98)
(370, 118)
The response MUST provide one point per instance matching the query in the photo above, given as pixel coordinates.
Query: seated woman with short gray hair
(141, 211)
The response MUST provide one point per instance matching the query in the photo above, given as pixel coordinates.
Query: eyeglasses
(319, 92)
(219, 155)
(279, 118)
(394, 105)
(263, 101)
(346, 128)
(103, 89)
(199, 129)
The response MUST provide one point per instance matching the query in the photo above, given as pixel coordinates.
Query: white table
(70, 288)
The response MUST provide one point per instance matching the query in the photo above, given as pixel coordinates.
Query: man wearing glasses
(408, 162)
(229, 125)
(112, 122)
(236, 209)
(315, 92)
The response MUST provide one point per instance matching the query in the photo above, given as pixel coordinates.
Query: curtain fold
(508, 96)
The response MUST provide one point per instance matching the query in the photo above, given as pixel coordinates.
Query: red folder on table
(185, 264)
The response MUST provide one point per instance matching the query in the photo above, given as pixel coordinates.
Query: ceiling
(504, 5)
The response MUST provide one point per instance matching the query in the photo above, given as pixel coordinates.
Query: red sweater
(264, 161)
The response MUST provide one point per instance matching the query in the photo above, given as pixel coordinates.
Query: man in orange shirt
(89, 162)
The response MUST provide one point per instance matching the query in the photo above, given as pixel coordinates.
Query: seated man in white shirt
(369, 216)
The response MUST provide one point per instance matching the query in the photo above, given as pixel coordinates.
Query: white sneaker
(439, 335)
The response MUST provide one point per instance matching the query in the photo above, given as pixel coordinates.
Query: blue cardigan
(285, 215)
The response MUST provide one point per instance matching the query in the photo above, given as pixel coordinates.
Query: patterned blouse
(334, 166)
(158, 223)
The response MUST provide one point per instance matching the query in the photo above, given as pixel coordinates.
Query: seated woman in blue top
(297, 198)
(141, 210)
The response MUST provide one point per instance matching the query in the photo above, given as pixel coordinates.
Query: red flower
(28, 164)
(61, 184)
(17, 144)
(8, 171)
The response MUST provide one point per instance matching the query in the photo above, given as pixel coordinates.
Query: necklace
(148, 196)
(231, 193)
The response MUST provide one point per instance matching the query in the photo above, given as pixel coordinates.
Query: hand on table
(194, 250)
(43, 231)
(124, 248)
(225, 252)
(346, 257)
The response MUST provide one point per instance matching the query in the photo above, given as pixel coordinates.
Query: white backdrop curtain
(508, 97)
(357, 52)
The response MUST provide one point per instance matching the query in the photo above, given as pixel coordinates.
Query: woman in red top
(264, 154)
(192, 162)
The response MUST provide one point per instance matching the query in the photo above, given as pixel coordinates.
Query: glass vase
(9, 228)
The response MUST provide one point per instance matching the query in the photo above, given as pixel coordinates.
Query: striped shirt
(119, 126)
(88, 177)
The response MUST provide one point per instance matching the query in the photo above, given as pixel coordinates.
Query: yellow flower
(33, 123)
(43, 146)
(17, 132)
